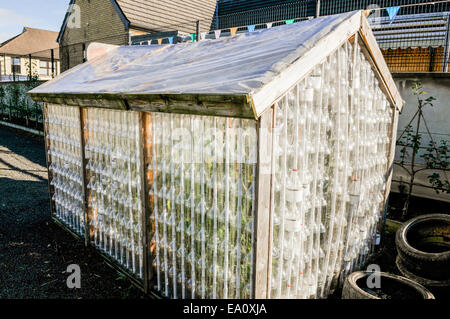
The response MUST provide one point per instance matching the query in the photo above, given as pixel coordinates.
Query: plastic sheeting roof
(234, 65)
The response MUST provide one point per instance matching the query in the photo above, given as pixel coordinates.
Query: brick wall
(99, 22)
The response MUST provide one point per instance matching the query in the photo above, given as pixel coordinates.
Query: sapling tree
(438, 162)
(435, 156)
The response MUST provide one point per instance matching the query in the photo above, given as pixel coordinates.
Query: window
(15, 65)
(45, 67)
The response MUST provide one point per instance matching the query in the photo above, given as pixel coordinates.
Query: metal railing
(291, 10)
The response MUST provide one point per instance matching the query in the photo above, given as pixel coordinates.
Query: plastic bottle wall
(64, 151)
(114, 185)
(330, 160)
(202, 194)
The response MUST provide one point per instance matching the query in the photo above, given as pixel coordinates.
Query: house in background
(33, 45)
(117, 21)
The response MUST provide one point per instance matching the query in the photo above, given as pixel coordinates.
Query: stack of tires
(423, 246)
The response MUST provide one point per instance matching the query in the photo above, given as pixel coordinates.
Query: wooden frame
(259, 106)
(145, 218)
(238, 105)
(83, 139)
(263, 209)
(264, 200)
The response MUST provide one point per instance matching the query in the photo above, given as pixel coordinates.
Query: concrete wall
(437, 118)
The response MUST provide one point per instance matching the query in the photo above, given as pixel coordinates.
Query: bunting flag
(392, 11)
(160, 41)
(269, 25)
(233, 30)
(192, 37)
(203, 36)
(170, 40)
(289, 21)
(251, 28)
(217, 33)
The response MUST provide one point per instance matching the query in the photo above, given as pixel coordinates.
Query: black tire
(437, 287)
(423, 245)
(392, 287)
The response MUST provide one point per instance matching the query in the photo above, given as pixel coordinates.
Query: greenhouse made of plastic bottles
(256, 165)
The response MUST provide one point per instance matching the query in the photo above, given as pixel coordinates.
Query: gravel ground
(34, 252)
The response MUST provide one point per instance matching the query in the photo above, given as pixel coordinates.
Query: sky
(41, 14)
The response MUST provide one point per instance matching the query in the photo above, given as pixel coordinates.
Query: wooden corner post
(144, 131)
(83, 140)
(263, 205)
